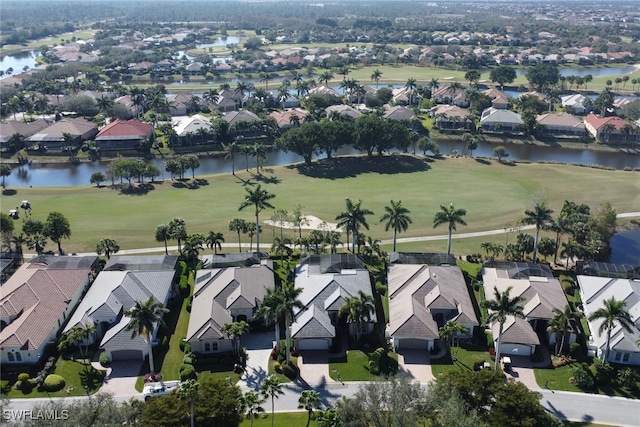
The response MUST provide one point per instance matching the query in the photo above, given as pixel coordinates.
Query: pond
(18, 61)
(594, 71)
(221, 41)
(56, 174)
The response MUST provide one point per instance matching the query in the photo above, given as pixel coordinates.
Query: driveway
(522, 369)
(314, 369)
(416, 363)
(121, 378)
(259, 346)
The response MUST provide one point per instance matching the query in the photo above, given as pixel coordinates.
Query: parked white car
(160, 388)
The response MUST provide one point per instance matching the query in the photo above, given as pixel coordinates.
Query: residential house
(244, 124)
(165, 67)
(400, 113)
(342, 110)
(611, 129)
(541, 293)
(226, 295)
(124, 135)
(193, 130)
(52, 138)
(324, 91)
(451, 117)
(326, 281)
(141, 67)
(25, 130)
(576, 103)
(285, 119)
(225, 104)
(623, 345)
(451, 95)
(128, 102)
(406, 96)
(499, 99)
(141, 263)
(195, 69)
(501, 121)
(560, 125)
(183, 104)
(116, 291)
(422, 298)
(36, 301)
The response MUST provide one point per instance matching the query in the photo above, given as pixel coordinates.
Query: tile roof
(75, 127)
(599, 122)
(560, 119)
(129, 129)
(283, 118)
(38, 296)
(10, 127)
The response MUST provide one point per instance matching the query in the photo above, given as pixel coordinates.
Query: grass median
(494, 195)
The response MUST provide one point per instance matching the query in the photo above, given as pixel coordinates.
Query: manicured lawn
(78, 378)
(465, 357)
(558, 379)
(355, 367)
(493, 195)
(289, 419)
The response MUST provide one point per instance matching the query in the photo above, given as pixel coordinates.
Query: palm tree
(232, 149)
(375, 76)
(613, 312)
(563, 319)
(289, 301)
(540, 216)
(270, 308)
(449, 331)
(178, 231)
(450, 216)
(17, 242)
(241, 88)
(434, 85)
(570, 250)
(258, 198)
(265, 77)
(397, 218)
(325, 76)
(271, 387)
(351, 219)
(358, 310)
(212, 97)
(142, 320)
(238, 225)
(411, 85)
(250, 403)
(499, 308)
(5, 170)
(162, 235)
(214, 240)
(234, 331)
(189, 390)
(309, 400)
(107, 247)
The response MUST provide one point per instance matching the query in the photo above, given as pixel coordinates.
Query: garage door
(516, 349)
(312, 344)
(126, 355)
(413, 343)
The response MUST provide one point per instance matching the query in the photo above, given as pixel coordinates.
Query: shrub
(188, 373)
(53, 382)
(277, 367)
(626, 378)
(575, 350)
(374, 367)
(185, 366)
(568, 288)
(23, 377)
(187, 360)
(381, 289)
(582, 377)
(104, 360)
(290, 371)
(185, 347)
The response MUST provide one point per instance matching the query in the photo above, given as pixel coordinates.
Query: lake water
(18, 61)
(625, 248)
(53, 175)
(594, 71)
(220, 42)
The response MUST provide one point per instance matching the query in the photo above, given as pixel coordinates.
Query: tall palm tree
(358, 310)
(540, 216)
(238, 225)
(563, 319)
(142, 320)
(271, 387)
(178, 231)
(289, 295)
(375, 76)
(325, 76)
(17, 241)
(499, 308)
(450, 331)
(212, 97)
(232, 149)
(107, 247)
(397, 218)
(309, 400)
(214, 241)
(189, 390)
(450, 216)
(613, 312)
(250, 403)
(242, 88)
(265, 77)
(270, 308)
(162, 235)
(259, 199)
(351, 220)
(411, 86)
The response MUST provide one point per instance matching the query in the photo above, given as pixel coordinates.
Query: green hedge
(53, 382)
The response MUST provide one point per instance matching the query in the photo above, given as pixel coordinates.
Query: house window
(207, 347)
(625, 357)
(18, 357)
(617, 357)
(10, 356)
(214, 346)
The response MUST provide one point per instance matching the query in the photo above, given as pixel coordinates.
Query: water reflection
(18, 61)
(56, 174)
(625, 248)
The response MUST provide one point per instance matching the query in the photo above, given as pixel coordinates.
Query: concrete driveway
(121, 378)
(416, 363)
(259, 346)
(314, 369)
